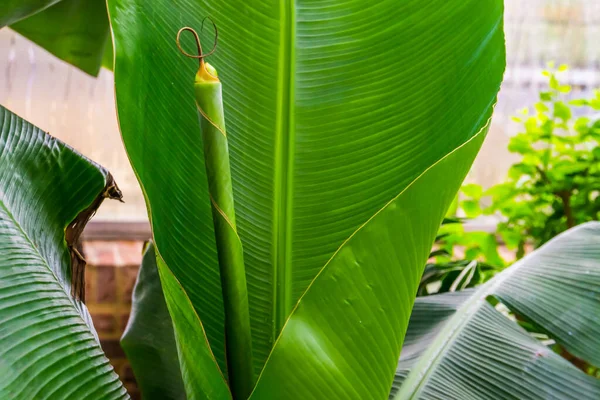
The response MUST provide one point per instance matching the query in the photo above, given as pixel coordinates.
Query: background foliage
(556, 184)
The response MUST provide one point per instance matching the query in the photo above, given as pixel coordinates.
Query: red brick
(106, 287)
(128, 278)
(128, 374)
(129, 253)
(100, 252)
(124, 320)
(90, 283)
(110, 277)
(112, 349)
(120, 365)
(105, 324)
(133, 391)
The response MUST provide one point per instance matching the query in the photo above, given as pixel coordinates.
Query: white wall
(72, 106)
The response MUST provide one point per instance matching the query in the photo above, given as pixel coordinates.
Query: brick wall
(110, 276)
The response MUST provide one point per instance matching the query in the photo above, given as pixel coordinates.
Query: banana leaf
(154, 343)
(336, 114)
(76, 31)
(48, 346)
(12, 11)
(148, 340)
(458, 346)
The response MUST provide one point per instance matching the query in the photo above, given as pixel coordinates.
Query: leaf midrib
(283, 171)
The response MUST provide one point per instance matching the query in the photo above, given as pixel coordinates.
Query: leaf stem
(565, 197)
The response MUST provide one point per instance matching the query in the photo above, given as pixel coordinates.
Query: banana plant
(48, 346)
(459, 346)
(349, 129)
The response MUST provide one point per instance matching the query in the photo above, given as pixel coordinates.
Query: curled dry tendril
(200, 56)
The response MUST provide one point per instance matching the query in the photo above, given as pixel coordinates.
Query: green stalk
(238, 339)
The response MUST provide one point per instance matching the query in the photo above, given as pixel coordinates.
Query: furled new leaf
(48, 347)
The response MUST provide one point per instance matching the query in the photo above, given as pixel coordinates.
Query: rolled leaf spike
(208, 93)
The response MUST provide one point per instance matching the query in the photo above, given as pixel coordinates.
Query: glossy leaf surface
(459, 347)
(238, 336)
(148, 340)
(202, 378)
(75, 31)
(12, 11)
(332, 109)
(48, 347)
(349, 326)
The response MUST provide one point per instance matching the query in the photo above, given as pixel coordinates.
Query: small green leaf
(554, 82)
(520, 169)
(520, 144)
(581, 125)
(547, 127)
(562, 111)
(473, 253)
(564, 88)
(534, 159)
(541, 107)
(531, 125)
(579, 102)
(473, 191)
(471, 208)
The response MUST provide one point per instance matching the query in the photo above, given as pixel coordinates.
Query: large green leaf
(202, 378)
(75, 31)
(332, 109)
(148, 340)
(349, 326)
(12, 11)
(48, 347)
(459, 347)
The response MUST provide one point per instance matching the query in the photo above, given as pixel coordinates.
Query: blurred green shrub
(556, 183)
(554, 186)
